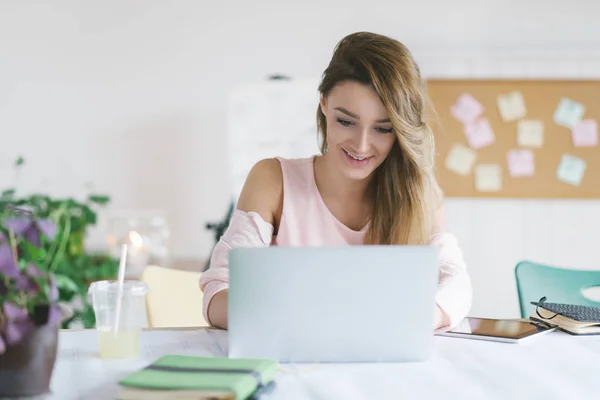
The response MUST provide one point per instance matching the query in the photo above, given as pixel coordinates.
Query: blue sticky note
(571, 169)
(568, 112)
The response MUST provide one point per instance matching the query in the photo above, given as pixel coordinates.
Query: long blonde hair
(404, 193)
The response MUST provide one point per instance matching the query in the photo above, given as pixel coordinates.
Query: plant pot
(26, 368)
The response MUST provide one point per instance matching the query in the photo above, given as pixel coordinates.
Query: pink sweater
(306, 221)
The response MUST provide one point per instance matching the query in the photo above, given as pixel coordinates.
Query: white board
(268, 119)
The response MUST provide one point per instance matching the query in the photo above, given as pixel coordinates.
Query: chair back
(559, 285)
(174, 297)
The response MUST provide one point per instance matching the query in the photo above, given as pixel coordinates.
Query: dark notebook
(570, 318)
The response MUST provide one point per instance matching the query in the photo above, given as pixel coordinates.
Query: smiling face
(359, 133)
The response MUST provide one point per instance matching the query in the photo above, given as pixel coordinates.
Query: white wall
(130, 95)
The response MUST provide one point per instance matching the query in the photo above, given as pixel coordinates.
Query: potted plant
(75, 267)
(29, 311)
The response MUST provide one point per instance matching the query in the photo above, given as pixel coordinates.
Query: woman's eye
(344, 122)
(385, 130)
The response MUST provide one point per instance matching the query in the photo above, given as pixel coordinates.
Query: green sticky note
(568, 112)
(571, 169)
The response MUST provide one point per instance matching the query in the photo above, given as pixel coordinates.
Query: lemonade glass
(125, 341)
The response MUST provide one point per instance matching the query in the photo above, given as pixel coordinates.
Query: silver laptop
(332, 304)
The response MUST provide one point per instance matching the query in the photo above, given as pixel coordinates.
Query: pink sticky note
(479, 133)
(585, 133)
(466, 109)
(520, 162)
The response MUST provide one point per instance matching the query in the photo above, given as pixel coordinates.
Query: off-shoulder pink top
(306, 221)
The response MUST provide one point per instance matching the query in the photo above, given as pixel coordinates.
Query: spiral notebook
(177, 377)
(570, 318)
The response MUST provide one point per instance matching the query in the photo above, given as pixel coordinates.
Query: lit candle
(137, 256)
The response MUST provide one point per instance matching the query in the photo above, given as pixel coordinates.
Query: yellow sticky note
(460, 159)
(530, 133)
(512, 106)
(488, 177)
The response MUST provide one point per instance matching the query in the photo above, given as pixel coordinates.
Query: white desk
(555, 366)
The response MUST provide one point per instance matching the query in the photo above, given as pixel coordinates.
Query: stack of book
(573, 319)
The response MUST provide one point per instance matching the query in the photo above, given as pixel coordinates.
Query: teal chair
(558, 285)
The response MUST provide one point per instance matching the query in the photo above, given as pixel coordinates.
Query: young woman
(374, 182)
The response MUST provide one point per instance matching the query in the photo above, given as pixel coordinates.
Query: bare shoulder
(263, 190)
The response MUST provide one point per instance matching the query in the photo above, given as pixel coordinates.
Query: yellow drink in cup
(125, 342)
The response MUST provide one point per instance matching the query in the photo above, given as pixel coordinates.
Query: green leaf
(63, 282)
(22, 264)
(76, 245)
(65, 295)
(89, 215)
(20, 161)
(7, 194)
(31, 253)
(99, 199)
(88, 317)
(40, 203)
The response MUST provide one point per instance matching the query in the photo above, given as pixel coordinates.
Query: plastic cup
(125, 342)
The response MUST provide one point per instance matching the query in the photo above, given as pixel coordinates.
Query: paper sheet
(585, 133)
(479, 133)
(466, 109)
(571, 169)
(530, 133)
(520, 163)
(460, 159)
(512, 106)
(568, 113)
(488, 177)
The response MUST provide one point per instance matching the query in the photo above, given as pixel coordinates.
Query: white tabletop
(554, 366)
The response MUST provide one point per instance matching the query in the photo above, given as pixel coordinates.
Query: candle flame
(136, 239)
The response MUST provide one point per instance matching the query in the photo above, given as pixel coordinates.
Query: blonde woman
(374, 182)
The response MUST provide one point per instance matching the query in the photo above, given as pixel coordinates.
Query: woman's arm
(454, 294)
(258, 211)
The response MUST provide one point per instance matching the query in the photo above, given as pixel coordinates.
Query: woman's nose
(362, 145)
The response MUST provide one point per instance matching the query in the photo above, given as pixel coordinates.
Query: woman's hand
(217, 309)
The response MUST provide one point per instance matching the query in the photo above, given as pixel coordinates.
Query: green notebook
(189, 377)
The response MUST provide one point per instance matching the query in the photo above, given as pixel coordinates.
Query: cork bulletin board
(517, 138)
